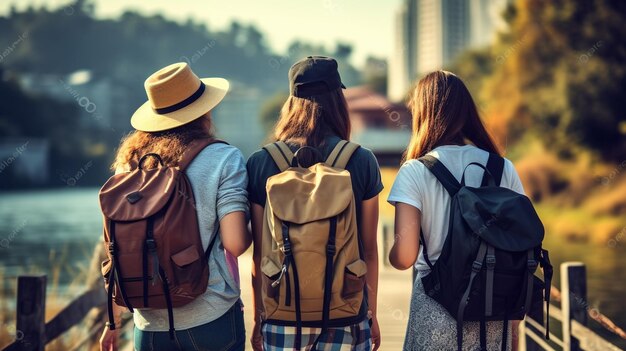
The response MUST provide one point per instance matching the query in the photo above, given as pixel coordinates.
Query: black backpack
(486, 268)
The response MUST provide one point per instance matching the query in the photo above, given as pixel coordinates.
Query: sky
(366, 24)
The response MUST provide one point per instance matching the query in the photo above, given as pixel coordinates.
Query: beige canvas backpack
(313, 274)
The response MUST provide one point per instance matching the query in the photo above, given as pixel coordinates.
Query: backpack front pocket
(354, 278)
(186, 267)
(271, 272)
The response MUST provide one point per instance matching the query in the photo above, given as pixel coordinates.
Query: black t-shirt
(363, 168)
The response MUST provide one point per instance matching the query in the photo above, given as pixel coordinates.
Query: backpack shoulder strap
(495, 165)
(441, 173)
(194, 148)
(281, 154)
(341, 154)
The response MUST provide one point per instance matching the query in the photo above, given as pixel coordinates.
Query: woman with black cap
(316, 115)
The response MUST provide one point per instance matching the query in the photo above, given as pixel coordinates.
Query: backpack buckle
(491, 261)
(151, 245)
(476, 266)
(287, 248)
(111, 248)
(532, 265)
(331, 250)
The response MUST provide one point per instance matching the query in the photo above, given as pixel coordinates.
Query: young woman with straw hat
(177, 113)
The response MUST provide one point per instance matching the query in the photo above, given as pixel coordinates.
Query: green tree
(270, 111)
(30, 116)
(559, 73)
(473, 66)
(377, 83)
(374, 74)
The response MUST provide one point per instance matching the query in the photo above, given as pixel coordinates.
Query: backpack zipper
(280, 276)
(275, 283)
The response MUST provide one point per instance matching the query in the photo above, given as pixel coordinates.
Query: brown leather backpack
(155, 256)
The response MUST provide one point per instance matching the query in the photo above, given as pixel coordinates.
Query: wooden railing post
(574, 301)
(522, 343)
(537, 313)
(387, 231)
(31, 308)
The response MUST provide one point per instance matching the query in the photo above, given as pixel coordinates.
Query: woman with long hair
(316, 115)
(178, 114)
(446, 125)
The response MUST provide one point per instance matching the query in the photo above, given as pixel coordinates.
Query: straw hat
(176, 96)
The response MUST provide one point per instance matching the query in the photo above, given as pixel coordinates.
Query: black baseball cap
(314, 75)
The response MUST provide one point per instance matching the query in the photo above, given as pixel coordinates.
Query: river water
(54, 231)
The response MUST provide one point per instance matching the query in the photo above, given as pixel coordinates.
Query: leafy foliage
(559, 73)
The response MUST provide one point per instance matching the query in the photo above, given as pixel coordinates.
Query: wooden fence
(573, 317)
(35, 333)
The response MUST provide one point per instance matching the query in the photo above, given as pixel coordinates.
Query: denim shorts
(226, 333)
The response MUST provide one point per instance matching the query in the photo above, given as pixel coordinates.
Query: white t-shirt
(415, 185)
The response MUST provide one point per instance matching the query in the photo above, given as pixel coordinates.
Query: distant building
(400, 70)
(94, 98)
(379, 124)
(374, 67)
(24, 160)
(430, 34)
(236, 118)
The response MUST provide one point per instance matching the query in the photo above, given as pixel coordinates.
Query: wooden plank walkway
(393, 302)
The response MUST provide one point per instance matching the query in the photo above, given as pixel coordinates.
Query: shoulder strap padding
(281, 154)
(194, 148)
(441, 173)
(495, 165)
(341, 154)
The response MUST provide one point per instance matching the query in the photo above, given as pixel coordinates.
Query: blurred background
(549, 78)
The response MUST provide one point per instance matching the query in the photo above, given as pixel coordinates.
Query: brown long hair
(307, 121)
(444, 113)
(169, 144)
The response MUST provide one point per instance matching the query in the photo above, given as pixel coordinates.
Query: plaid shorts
(357, 337)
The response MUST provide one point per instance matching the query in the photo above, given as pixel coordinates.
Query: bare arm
(369, 231)
(405, 248)
(118, 311)
(234, 233)
(110, 338)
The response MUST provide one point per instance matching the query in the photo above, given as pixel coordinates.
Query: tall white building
(486, 20)
(430, 34)
(399, 70)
